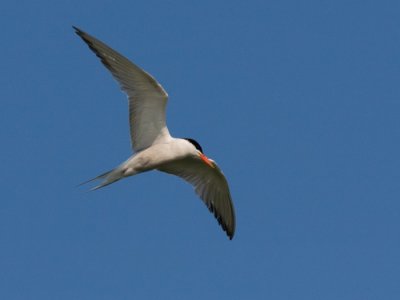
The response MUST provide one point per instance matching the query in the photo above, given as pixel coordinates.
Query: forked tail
(108, 178)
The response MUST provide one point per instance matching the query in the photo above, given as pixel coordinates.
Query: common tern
(153, 146)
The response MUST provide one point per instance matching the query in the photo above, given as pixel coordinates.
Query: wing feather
(210, 185)
(146, 97)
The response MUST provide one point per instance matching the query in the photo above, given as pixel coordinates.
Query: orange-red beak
(206, 160)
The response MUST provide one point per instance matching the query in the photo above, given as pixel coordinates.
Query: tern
(153, 146)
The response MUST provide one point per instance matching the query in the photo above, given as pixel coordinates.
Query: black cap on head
(195, 143)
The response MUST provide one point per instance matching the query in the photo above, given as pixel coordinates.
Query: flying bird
(153, 146)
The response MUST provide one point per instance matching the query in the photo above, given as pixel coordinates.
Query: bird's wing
(147, 98)
(211, 185)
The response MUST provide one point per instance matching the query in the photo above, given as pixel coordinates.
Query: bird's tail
(107, 177)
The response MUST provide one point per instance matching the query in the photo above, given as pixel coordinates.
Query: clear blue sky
(298, 102)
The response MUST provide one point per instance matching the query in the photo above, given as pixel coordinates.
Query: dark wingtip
(230, 232)
(77, 30)
(81, 33)
(89, 40)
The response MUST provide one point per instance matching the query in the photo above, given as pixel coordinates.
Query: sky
(297, 101)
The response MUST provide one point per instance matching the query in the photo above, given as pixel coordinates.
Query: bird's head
(200, 153)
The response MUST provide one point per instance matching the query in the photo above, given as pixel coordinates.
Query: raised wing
(211, 185)
(147, 98)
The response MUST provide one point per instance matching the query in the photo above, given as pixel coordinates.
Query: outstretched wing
(147, 98)
(211, 185)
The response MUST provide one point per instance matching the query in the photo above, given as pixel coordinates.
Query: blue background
(298, 102)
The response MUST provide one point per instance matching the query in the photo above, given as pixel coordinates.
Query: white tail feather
(109, 177)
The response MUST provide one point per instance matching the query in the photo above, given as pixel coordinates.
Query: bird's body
(156, 157)
(154, 147)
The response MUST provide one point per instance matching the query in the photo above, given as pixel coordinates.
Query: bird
(153, 146)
